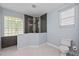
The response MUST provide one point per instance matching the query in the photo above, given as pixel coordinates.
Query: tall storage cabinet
(36, 24)
(43, 23)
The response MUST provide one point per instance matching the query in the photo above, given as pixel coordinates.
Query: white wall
(56, 32)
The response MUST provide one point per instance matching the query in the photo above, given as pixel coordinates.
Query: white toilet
(64, 48)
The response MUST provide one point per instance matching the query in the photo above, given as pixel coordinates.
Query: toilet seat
(64, 49)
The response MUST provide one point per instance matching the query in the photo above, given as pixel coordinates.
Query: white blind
(67, 17)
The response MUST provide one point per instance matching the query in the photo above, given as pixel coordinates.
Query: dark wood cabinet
(8, 41)
(36, 25)
(43, 23)
(32, 26)
(28, 24)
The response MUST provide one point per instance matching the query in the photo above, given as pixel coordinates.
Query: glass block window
(13, 26)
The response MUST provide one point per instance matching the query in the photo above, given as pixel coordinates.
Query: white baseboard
(33, 46)
(36, 46)
(30, 46)
(50, 44)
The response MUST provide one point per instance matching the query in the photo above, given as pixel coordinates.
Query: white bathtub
(31, 39)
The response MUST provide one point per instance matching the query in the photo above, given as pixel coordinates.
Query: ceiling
(26, 8)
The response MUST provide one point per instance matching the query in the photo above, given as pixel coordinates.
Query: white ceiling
(26, 8)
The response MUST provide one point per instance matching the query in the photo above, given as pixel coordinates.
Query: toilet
(64, 47)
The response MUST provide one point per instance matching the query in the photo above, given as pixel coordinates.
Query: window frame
(64, 9)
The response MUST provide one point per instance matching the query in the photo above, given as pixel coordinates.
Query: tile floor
(42, 50)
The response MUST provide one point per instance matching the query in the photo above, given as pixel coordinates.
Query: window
(67, 17)
(12, 26)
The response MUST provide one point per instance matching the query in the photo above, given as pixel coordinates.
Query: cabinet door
(28, 24)
(43, 23)
(36, 25)
(8, 41)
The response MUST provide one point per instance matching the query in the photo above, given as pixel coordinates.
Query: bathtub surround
(31, 40)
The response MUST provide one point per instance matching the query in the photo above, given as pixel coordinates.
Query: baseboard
(36, 46)
(33, 46)
(30, 46)
(50, 44)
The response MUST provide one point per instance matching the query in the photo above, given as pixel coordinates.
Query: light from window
(67, 17)
(12, 26)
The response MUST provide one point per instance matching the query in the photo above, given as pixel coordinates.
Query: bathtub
(31, 39)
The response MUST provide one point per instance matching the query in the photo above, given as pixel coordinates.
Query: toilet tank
(66, 42)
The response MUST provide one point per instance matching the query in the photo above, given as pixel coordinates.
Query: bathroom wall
(56, 32)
